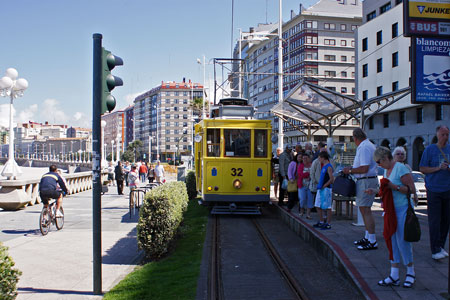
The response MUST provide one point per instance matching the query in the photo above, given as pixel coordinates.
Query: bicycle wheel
(60, 220)
(44, 221)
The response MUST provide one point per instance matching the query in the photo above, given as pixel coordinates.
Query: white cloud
(4, 115)
(52, 112)
(78, 115)
(27, 115)
(129, 99)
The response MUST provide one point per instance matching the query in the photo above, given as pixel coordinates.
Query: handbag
(292, 186)
(412, 226)
(344, 185)
(284, 185)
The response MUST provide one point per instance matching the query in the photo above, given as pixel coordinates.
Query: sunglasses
(399, 154)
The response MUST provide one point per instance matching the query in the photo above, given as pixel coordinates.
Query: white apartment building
(164, 119)
(384, 66)
(318, 46)
(114, 131)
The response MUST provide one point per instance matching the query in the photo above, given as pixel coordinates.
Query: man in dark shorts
(48, 188)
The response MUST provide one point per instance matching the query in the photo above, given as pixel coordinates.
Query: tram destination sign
(431, 70)
(426, 18)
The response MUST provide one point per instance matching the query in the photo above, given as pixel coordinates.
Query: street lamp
(13, 88)
(112, 151)
(119, 136)
(204, 81)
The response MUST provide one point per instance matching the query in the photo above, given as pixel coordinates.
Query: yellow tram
(233, 158)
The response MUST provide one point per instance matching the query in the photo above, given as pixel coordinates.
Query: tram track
(216, 289)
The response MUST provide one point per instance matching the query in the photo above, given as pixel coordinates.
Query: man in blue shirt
(48, 188)
(435, 164)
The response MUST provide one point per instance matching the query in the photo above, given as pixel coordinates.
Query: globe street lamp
(12, 87)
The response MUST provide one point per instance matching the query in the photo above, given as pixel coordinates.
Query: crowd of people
(312, 173)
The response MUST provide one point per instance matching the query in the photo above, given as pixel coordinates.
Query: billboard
(430, 70)
(427, 18)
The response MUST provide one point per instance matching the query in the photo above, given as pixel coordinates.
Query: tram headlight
(209, 188)
(257, 189)
(237, 184)
(263, 189)
(216, 188)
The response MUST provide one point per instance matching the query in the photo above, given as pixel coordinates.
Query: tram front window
(213, 142)
(237, 142)
(260, 143)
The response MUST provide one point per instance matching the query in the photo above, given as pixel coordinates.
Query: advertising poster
(427, 18)
(431, 70)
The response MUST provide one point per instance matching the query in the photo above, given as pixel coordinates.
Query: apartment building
(129, 127)
(384, 66)
(114, 131)
(164, 119)
(318, 46)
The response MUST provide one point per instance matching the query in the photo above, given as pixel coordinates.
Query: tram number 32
(236, 172)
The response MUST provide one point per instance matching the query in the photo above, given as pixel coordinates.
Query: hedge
(160, 217)
(191, 185)
(8, 276)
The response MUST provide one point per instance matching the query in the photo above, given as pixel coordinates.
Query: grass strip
(173, 277)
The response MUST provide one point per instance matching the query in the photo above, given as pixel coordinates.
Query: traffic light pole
(96, 165)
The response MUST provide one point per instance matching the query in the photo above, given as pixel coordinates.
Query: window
(438, 112)
(394, 30)
(343, 27)
(343, 90)
(395, 59)
(330, 26)
(237, 142)
(402, 118)
(395, 86)
(371, 15)
(343, 58)
(260, 143)
(167, 101)
(379, 65)
(354, 27)
(419, 115)
(379, 90)
(385, 8)
(343, 74)
(397, 2)
(365, 70)
(330, 73)
(330, 57)
(385, 120)
(330, 42)
(379, 37)
(213, 142)
(343, 43)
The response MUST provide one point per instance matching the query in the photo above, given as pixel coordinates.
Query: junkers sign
(427, 18)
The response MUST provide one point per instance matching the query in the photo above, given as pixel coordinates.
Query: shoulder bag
(412, 230)
(344, 185)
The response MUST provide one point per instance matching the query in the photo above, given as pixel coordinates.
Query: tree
(197, 106)
(136, 148)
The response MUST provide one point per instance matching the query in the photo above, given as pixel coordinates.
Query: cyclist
(48, 188)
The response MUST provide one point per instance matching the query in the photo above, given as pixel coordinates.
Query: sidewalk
(366, 268)
(59, 265)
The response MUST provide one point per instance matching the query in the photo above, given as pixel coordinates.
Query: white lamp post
(104, 163)
(204, 81)
(119, 136)
(150, 148)
(13, 88)
(112, 151)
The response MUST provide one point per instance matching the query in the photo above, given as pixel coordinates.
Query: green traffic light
(109, 81)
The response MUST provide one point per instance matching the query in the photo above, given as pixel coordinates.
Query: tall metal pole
(150, 149)
(204, 93)
(157, 129)
(280, 73)
(96, 165)
(240, 57)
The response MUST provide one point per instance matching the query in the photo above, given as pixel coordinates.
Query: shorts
(364, 199)
(276, 179)
(46, 195)
(326, 202)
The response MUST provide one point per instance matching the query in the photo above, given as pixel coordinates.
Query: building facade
(318, 46)
(164, 119)
(114, 131)
(385, 66)
(129, 127)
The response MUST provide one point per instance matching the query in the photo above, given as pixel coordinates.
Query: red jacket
(390, 218)
(143, 169)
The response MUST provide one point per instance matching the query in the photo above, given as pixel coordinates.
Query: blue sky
(49, 42)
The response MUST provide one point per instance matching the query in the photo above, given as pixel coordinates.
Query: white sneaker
(59, 214)
(444, 252)
(438, 256)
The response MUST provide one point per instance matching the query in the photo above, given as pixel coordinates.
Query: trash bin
(181, 173)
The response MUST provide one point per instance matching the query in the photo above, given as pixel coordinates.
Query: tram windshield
(237, 142)
(260, 143)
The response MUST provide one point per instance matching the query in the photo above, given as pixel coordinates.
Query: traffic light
(109, 81)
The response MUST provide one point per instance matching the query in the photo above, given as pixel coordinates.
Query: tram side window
(260, 143)
(213, 142)
(237, 142)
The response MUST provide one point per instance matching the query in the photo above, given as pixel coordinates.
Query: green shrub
(160, 217)
(191, 185)
(8, 276)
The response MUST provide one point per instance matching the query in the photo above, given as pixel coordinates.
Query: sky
(49, 42)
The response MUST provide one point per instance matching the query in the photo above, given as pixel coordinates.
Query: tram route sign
(431, 70)
(426, 18)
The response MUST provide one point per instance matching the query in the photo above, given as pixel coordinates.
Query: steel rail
(215, 280)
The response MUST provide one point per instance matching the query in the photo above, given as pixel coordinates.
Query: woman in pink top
(304, 193)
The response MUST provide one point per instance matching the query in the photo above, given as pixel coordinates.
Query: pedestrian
(276, 171)
(304, 193)
(365, 171)
(298, 149)
(320, 146)
(119, 174)
(399, 155)
(143, 171)
(159, 172)
(323, 196)
(435, 164)
(396, 186)
(110, 170)
(314, 173)
(126, 170)
(133, 177)
(151, 173)
(292, 177)
(285, 159)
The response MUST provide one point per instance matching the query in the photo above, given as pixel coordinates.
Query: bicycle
(48, 217)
